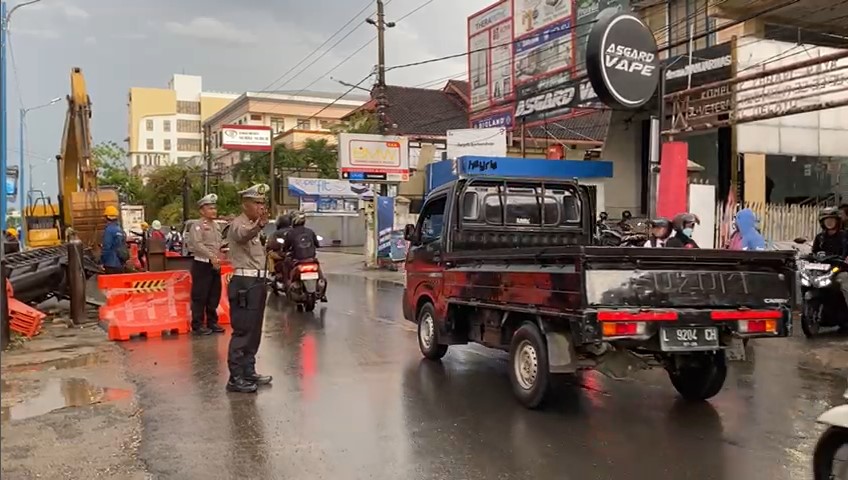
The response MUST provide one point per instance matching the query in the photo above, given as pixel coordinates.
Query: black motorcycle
(622, 236)
(823, 302)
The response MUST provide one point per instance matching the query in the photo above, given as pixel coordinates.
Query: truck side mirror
(409, 232)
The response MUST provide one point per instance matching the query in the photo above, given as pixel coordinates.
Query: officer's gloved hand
(263, 238)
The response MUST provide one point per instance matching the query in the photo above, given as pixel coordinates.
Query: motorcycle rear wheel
(833, 441)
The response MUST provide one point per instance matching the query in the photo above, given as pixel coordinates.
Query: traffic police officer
(204, 240)
(247, 292)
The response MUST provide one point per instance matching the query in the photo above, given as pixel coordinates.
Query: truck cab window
(431, 221)
(470, 206)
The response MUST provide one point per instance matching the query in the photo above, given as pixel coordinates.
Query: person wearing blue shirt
(752, 239)
(114, 254)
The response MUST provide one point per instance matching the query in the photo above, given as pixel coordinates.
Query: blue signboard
(385, 225)
(440, 173)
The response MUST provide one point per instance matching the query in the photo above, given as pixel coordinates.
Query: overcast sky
(235, 46)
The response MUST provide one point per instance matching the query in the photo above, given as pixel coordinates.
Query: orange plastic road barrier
(224, 305)
(146, 303)
(24, 319)
(169, 253)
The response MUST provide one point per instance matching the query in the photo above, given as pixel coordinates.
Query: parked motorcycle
(622, 236)
(304, 287)
(823, 302)
(830, 458)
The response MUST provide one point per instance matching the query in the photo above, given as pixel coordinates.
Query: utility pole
(380, 87)
(207, 156)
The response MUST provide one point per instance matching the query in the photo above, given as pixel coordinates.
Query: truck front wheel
(699, 377)
(428, 334)
(528, 359)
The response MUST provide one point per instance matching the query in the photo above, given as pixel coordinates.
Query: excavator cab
(43, 221)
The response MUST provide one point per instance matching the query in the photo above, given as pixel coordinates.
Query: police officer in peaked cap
(204, 240)
(247, 292)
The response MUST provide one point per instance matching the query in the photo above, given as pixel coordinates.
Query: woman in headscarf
(746, 236)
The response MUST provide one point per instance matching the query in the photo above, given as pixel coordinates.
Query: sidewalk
(342, 263)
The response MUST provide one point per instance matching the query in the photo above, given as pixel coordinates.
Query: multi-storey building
(293, 117)
(165, 123)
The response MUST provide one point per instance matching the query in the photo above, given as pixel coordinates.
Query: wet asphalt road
(352, 399)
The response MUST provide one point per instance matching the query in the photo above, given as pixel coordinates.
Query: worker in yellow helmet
(115, 253)
(12, 245)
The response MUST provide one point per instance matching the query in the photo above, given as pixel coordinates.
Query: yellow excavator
(81, 203)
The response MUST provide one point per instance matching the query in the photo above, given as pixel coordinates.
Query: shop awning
(327, 187)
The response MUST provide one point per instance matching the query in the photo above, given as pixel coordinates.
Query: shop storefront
(333, 208)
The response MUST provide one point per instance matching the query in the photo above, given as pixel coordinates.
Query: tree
(320, 154)
(109, 159)
(362, 121)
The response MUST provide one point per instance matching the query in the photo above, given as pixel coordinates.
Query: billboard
(490, 55)
(553, 97)
(373, 158)
(705, 66)
(585, 13)
(486, 142)
(251, 138)
(543, 53)
(499, 117)
(531, 15)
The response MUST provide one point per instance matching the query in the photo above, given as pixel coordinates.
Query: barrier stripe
(149, 286)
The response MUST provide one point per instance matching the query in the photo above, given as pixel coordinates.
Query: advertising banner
(586, 11)
(501, 69)
(12, 175)
(491, 16)
(252, 138)
(373, 158)
(708, 65)
(545, 52)
(531, 15)
(494, 118)
(485, 142)
(553, 97)
(324, 187)
(385, 225)
(478, 69)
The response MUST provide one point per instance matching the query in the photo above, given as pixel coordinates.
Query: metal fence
(778, 223)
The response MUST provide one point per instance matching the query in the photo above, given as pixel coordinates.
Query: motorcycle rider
(300, 243)
(659, 233)
(684, 226)
(274, 247)
(174, 240)
(833, 241)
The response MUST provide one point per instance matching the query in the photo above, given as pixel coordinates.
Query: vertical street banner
(12, 175)
(385, 225)
(490, 56)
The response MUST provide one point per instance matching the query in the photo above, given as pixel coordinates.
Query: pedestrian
(684, 227)
(12, 244)
(746, 236)
(115, 254)
(659, 233)
(246, 291)
(204, 239)
(142, 251)
(156, 231)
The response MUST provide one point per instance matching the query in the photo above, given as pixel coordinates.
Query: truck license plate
(673, 339)
(309, 276)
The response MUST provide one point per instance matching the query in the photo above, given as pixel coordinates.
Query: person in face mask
(684, 227)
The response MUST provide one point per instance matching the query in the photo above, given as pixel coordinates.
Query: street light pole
(22, 171)
(380, 89)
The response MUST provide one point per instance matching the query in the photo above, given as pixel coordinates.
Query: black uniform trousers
(247, 297)
(205, 294)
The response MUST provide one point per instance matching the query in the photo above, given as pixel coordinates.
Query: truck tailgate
(681, 278)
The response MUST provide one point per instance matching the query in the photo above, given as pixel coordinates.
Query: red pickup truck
(511, 264)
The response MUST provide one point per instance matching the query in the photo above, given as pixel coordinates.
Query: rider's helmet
(283, 222)
(658, 223)
(829, 212)
(298, 218)
(685, 220)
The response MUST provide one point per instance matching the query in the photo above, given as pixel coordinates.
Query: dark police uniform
(247, 295)
(204, 240)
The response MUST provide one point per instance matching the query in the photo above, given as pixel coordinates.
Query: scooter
(823, 302)
(304, 286)
(830, 458)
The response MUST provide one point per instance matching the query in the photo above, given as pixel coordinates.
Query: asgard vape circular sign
(621, 60)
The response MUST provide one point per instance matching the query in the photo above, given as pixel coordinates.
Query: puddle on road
(60, 393)
(86, 360)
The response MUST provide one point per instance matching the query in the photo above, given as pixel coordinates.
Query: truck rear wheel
(528, 359)
(428, 334)
(699, 378)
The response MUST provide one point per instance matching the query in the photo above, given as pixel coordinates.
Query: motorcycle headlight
(823, 281)
(805, 280)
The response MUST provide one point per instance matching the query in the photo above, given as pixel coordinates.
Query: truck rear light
(623, 329)
(745, 314)
(758, 326)
(652, 316)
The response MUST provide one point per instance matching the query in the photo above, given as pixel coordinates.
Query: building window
(188, 144)
(188, 126)
(167, 144)
(166, 125)
(278, 125)
(255, 117)
(188, 108)
(303, 124)
(149, 125)
(150, 144)
(687, 18)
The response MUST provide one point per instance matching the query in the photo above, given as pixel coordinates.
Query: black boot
(216, 328)
(257, 379)
(240, 385)
(201, 331)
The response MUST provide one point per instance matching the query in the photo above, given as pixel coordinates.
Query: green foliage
(109, 159)
(362, 121)
(316, 154)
